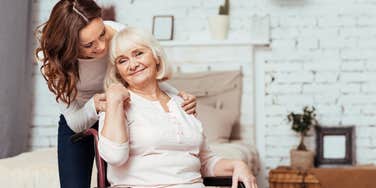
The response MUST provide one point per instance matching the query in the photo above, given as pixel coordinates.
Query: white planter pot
(218, 26)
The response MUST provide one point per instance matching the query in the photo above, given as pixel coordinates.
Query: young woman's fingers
(189, 106)
(183, 95)
(101, 96)
(188, 100)
(102, 106)
(192, 111)
(195, 113)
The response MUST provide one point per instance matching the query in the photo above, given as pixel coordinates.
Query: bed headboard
(221, 89)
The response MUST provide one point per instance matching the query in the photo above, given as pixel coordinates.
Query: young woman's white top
(81, 113)
(165, 149)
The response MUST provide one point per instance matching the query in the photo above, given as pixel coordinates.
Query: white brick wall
(338, 77)
(322, 54)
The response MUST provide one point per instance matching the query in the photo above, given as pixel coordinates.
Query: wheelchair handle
(221, 181)
(77, 137)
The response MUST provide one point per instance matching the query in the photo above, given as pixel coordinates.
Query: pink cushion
(217, 123)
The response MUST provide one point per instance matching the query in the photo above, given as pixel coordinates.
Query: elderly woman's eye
(123, 61)
(139, 53)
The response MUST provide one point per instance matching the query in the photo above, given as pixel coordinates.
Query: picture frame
(163, 27)
(335, 146)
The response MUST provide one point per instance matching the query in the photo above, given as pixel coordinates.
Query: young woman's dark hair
(59, 45)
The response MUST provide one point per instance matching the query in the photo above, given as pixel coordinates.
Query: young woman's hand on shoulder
(189, 103)
(100, 102)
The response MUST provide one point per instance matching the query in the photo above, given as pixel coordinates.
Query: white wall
(321, 54)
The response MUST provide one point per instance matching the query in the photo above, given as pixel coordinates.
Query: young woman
(73, 52)
(144, 135)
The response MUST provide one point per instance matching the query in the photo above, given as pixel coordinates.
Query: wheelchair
(219, 181)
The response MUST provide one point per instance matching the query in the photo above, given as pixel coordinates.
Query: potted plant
(301, 157)
(219, 24)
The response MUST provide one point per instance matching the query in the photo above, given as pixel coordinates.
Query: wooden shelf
(211, 43)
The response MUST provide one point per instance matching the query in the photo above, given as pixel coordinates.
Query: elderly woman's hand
(243, 173)
(117, 93)
(189, 103)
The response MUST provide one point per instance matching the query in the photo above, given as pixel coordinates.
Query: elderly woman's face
(137, 65)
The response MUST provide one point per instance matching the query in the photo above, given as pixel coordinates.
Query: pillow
(217, 123)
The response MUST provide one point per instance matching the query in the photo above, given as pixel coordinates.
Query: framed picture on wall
(335, 146)
(163, 27)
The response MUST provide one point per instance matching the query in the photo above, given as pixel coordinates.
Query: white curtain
(15, 76)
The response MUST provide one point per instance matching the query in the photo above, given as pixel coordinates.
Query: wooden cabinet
(286, 177)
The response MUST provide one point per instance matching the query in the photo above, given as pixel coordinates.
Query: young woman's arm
(80, 117)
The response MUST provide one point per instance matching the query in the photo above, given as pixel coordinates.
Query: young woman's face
(93, 40)
(137, 65)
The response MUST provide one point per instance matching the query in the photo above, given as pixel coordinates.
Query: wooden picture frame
(163, 27)
(340, 138)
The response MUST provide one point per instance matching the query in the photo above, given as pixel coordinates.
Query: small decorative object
(219, 24)
(335, 146)
(301, 157)
(163, 27)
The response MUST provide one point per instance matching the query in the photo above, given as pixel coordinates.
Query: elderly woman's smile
(136, 72)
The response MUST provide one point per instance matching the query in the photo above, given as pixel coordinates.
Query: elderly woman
(145, 136)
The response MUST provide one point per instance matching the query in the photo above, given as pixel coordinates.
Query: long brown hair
(59, 45)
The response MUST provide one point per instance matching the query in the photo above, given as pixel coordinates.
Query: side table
(287, 177)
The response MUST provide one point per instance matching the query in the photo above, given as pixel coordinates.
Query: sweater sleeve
(79, 117)
(208, 159)
(113, 153)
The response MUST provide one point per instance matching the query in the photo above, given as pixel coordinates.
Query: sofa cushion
(222, 89)
(217, 123)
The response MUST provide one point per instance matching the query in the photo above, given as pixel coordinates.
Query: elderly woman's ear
(158, 64)
(158, 61)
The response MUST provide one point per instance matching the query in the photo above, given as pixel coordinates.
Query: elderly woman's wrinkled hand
(117, 93)
(243, 174)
